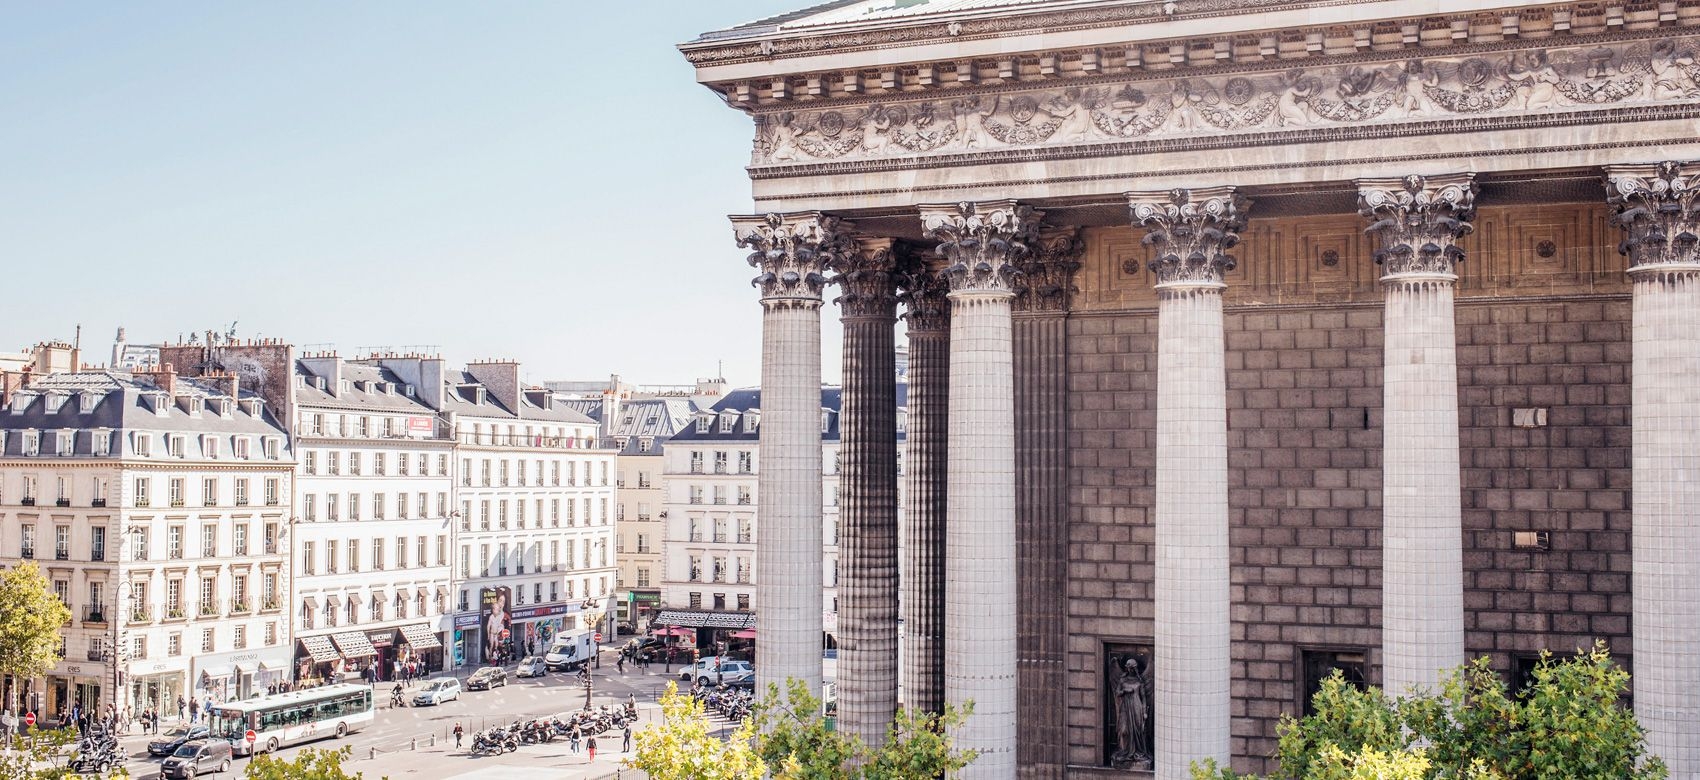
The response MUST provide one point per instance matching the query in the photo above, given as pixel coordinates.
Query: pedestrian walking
(179, 707)
(458, 732)
(621, 664)
(591, 744)
(626, 746)
(194, 710)
(573, 738)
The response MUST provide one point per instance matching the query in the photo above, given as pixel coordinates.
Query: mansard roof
(370, 388)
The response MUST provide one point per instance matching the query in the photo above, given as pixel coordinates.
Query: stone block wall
(1304, 437)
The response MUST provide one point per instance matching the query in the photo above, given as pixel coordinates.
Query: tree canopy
(31, 617)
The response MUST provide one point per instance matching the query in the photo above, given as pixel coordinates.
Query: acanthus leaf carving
(792, 252)
(1047, 274)
(925, 298)
(1658, 208)
(1192, 231)
(867, 277)
(982, 242)
(1417, 221)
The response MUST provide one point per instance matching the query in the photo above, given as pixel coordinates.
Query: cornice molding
(1562, 24)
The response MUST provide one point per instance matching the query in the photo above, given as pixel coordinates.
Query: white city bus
(296, 716)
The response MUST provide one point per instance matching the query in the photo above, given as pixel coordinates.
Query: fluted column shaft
(867, 591)
(1041, 497)
(1416, 222)
(1659, 213)
(922, 543)
(981, 241)
(1192, 231)
(792, 252)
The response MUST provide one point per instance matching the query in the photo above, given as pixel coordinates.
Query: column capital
(1658, 207)
(1417, 221)
(1048, 271)
(1192, 230)
(793, 252)
(866, 272)
(923, 293)
(981, 242)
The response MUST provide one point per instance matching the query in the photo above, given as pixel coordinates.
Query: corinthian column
(792, 251)
(1659, 211)
(1192, 231)
(867, 594)
(928, 319)
(981, 242)
(1416, 222)
(1041, 455)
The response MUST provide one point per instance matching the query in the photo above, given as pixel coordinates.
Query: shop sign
(466, 621)
(646, 597)
(532, 613)
(381, 638)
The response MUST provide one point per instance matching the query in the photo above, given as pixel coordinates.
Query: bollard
(371, 753)
(433, 741)
(413, 744)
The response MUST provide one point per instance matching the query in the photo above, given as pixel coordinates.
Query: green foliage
(30, 620)
(310, 764)
(44, 755)
(788, 738)
(680, 747)
(1568, 725)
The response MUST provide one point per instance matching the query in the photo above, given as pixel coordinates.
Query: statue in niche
(1129, 687)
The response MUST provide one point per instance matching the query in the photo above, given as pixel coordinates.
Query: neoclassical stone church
(1249, 340)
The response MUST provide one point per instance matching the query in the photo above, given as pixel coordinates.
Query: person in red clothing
(592, 745)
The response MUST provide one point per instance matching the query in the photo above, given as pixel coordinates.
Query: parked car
(174, 738)
(532, 666)
(437, 691)
(487, 678)
(717, 670)
(202, 756)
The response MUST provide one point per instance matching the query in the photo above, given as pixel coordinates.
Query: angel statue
(1133, 694)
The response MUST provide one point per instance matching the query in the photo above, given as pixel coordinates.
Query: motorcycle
(397, 698)
(494, 741)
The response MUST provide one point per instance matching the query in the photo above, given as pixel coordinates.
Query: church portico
(1272, 348)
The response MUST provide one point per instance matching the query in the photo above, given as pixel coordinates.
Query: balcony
(743, 538)
(27, 500)
(99, 502)
(720, 468)
(271, 548)
(61, 554)
(720, 500)
(743, 500)
(208, 609)
(174, 612)
(269, 604)
(696, 467)
(97, 554)
(27, 551)
(97, 654)
(142, 614)
(696, 536)
(94, 613)
(696, 499)
(240, 607)
(177, 502)
(719, 537)
(62, 502)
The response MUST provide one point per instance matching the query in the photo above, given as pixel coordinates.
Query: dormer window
(646, 444)
(21, 402)
(100, 443)
(902, 421)
(252, 406)
(825, 420)
(66, 443)
(30, 443)
(224, 407)
(702, 424)
(752, 418)
(727, 420)
(86, 402)
(239, 447)
(271, 447)
(142, 443)
(209, 446)
(55, 401)
(161, 404)
(409, 391)
(174, 445)
(193, 405)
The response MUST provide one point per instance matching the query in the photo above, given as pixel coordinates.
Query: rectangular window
(209, 541)
(332, 512)
(379, 463)
(1318, 665)
(176, 491)
(310, 507)
(206, 640)
(354, 506)
(174, 542)
(377, 555)
(442, 550)
(241, 497)
(643, 576)
(209, 491)
(377, 506)
(142, 499)
(333, 463)
(442, 465)
(174, 645)
(331, 554)
(353, 555)
(354, 463)
(310, 463)
(401, 505)
(240, 540)
(271, 491)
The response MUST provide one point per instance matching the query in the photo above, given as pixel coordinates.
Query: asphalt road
(411, 729)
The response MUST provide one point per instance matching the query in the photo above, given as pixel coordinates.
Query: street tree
(31, 617)
(680, 747)
(310, 764)
(44, 754)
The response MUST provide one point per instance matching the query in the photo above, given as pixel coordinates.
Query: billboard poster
(420, 426)
(497, 621)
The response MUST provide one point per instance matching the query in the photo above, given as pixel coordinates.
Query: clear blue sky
(541, 181)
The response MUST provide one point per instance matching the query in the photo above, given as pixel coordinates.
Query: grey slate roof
(130, 406)
(454, 400)
(744, 399)
(366, 390)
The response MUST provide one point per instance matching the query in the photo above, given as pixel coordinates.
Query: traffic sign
(29, 719)
(250, 736)
(598, 637)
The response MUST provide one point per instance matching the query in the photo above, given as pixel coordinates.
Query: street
(419, 742)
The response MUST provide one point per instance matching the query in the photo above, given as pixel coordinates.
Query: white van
(570, 650)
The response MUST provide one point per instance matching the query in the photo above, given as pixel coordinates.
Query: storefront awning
(354, 644)
(420, 636)
(693, 618)
(319, 647)
(215, 672)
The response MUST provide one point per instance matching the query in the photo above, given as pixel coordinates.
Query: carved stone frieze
(1047, 275)
(1658, 207)
(867, 275)
(792, 252)
(1418, 220)
(1192, 231)
(1503, 83)
(982, 243)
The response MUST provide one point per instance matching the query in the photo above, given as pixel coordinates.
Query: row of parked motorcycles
(588, 723)
(97, 752)
(731, 702)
